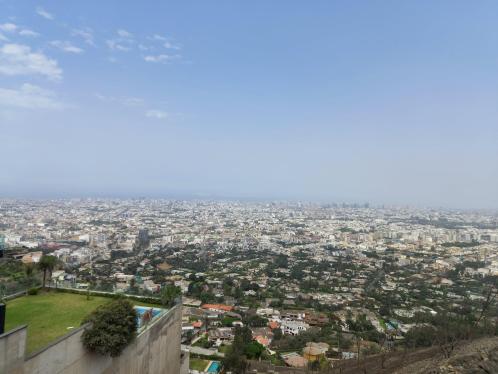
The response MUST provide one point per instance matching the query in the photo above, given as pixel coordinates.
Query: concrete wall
(12, 347)
(155, 350)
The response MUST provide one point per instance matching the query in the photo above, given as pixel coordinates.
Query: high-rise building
(143, 238)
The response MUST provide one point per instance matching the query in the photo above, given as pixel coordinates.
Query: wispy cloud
(8, 27)
(86, 34)
(18, 59)
(28, 32)
(66, 46)
(123, 43)
(157, 114)
(126, 101)
(161, 58)
(124, 34)
(29, 96)
(165, 41)
(42, 12)
(169, 45)
(133, 101)
(158, 37)
(115, 45)
(12, 28)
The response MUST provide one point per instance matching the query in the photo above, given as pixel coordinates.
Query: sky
(388, 102)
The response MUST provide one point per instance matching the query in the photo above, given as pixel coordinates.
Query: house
(293, 327)
(151, 286)
(220, 308)
(263, 335)
(273, 325)
(31, 258)
(315, 351)
(294, 360)
(221, 335)
(294, 314)
(316, 319)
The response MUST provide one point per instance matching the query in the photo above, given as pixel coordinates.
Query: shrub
(113, 327)
(33, 291)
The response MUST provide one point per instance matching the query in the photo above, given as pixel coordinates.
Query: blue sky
(380, 101)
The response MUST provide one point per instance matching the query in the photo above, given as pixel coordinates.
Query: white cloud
(166, 42)
(158, 37)
(124, 34)
(115, 45)
(12, 28)
(123, 43)
(168, 45)
(8, 27)
(126, 101)
(42, 12)
(3, 38)
(133, 101)
(86, 34)
(161, 58)
(66, 46)
(102, 97)
(157, 114)
(29, 96)
(27, 32)
(18, 59)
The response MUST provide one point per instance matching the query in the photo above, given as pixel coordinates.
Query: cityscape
(301, 276)
(248, 187)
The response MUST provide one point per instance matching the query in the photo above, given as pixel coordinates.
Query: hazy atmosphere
(387, 102)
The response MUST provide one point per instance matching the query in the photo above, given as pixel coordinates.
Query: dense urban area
(297, 285)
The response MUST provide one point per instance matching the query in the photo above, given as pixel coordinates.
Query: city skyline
(387, 103)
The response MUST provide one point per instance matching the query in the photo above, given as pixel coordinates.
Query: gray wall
(12, 347)
(155, 350)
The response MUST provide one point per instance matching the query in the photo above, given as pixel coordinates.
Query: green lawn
(49, 314)
(198, 364)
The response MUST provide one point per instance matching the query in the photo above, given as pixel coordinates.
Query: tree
(254, 350)
(235, 358)
(47, 264)
(169, 295)
(113, 327)
(235, 361)
(28, 270)
(277, 334)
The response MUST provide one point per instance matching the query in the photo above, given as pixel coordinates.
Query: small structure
(315, 351)
(294, 360)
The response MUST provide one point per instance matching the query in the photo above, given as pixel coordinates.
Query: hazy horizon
(386, 102)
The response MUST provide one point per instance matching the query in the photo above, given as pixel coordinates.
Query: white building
(293, 327)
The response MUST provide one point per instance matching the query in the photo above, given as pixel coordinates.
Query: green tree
(254, 350)
(113, 327)
(169, 294)
(47, 265)
(235, 358)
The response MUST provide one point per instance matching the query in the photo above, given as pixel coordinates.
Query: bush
(33, 291)
(113, 327)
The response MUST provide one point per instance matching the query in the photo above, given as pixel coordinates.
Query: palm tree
(28, 270)
(47, 264)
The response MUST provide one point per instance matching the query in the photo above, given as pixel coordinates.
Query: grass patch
(223, 348)
(49, 314)
(198, 364)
